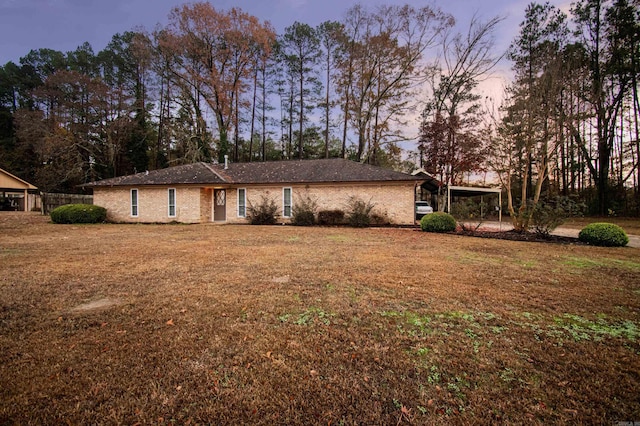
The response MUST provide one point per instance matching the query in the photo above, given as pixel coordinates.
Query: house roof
(430, 183)
(280, 172)
(196, 173)
(9, 181)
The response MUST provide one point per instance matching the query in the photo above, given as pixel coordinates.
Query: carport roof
(472, 191)
(11, 182)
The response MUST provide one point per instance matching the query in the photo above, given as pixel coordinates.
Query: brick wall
(153, 204)
(206, 197)
(395, 201)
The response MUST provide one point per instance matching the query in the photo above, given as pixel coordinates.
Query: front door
(219, 205)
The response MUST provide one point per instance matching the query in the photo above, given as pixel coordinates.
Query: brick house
(202, 192)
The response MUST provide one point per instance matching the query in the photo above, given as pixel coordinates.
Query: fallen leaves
(224, 351)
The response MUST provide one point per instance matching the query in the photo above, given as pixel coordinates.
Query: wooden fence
(50, 200)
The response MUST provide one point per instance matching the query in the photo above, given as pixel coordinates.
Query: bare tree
(383, 66)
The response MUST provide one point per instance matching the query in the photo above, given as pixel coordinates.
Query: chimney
(226, 162)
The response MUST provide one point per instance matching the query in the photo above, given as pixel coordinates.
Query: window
(134, 202)
(172, 202)
(286, 205)
(242, 202)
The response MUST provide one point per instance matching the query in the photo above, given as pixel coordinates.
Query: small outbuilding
(17, 194)
(223, 193)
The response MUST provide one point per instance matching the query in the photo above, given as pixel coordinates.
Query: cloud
(294, 4)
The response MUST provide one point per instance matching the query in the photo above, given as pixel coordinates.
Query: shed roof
(9, 181)
(279, 172)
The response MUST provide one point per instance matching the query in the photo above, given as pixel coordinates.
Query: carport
(430, 185)
(474, 191)
(14, 192)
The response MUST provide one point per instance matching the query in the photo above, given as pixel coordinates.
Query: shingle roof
(294, 171)
(196, 173)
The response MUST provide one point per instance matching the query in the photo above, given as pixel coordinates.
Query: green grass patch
(311, 316)
(589, 263)
(580, 328)
(410, 323)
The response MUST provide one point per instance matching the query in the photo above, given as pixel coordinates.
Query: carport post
(500, 208)
(26, 201)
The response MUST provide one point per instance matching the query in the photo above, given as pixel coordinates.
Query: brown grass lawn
(186, 324)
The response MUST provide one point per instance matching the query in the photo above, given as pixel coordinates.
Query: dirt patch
(96, 305)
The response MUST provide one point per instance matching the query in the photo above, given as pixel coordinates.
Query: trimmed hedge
(604, 234)
(330, 217)
(79, 213)
(303, 218)
(438, 222)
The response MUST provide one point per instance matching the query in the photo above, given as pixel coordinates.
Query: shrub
(264, 213)
(469, 209)
(438, 222)
(330, 217)
(304, 211)
(604, 234)
(380, 219)
(549, 214)
(79, 213)
(359, 214)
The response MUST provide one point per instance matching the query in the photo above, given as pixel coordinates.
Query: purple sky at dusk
(65, 24)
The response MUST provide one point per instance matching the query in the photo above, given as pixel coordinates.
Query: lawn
(188, 324)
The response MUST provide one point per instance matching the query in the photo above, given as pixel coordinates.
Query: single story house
(203, 192)
(17, 194)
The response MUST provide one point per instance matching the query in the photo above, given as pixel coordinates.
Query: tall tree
(213, 51)
(383, 66)
(300, 49)
(535, 52)
(125, 66)
(603, 31)
(450, 143)
(331, 35)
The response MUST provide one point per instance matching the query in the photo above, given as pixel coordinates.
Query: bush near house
(604, 234)
(438, 222)
(380, 219)
(359, 213)
(330, 217)
(79, 213)
(304, 212)
(263, 213)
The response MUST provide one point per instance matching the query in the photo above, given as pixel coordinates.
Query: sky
(65, 24)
